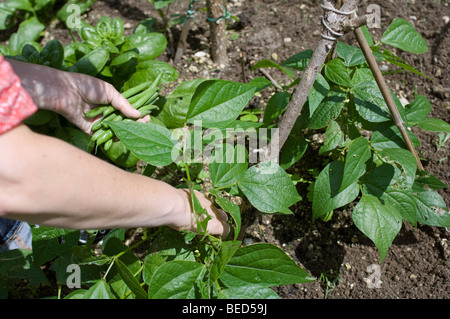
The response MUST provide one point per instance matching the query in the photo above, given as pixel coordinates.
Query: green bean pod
(96, 126)
(134, 90)
(140, 97)
(97, 134)
(110, 117)
(110, 109)
(108, 145)
(143, 100)
(147, 109)
(95, 112)
(107, 135)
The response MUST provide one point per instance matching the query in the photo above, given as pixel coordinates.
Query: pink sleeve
(15, 103)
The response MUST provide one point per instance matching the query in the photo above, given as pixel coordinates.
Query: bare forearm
(46, 181)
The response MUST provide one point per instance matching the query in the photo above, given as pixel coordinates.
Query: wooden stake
(217, 29)
(308, 78)
(385, 92)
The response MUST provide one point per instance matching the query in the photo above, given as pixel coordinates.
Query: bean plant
(202, 128)
(366, 158)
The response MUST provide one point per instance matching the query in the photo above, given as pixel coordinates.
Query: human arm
(70, 94)
(46, 181)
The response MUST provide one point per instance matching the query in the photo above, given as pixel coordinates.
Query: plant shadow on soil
(417, 264)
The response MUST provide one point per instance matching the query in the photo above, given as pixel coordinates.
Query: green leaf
(29, 30)
(404, 160)
(395, 60)
(101, 290)
(276, 106)
(149, 71)
(48, 242)
(53, 54)
(380, 222)
(268, 188)
(25, 5)
(230, 166)
(418, 109)
(318, 92)
(104, 27)
(293, 149)
(176, 106)
(117, 31)
(351, 55)
(167, 246)
(130, 280)
(434, 125)
(367, 35)
(328, 110)
(362, 74)
(90, 269)
(6, 16)
(389, 184)
(379, 179)
(92, 63)
(159, 4)
(247, 292)
(76, 294)
(4, 50)
(222, 257)
(123, 58)
(176, 280)
(358, 155)
(298, 61)
(386, 135)
(148, 46)
(402, 35)
(17, 264)
(403, 201)
(432, 209)
(370, 104)
(90, 36)
(426, 179)
(326, 195)
(337, 72)
(150, 142)
(231, 208)
(262, 265)
(334, 137)
(217, 103)
(271, 64)
(260, 83)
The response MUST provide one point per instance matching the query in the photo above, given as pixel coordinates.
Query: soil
(418, 262)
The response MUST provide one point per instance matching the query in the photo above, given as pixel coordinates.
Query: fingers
(218, 225)
(144, 119)
(119, 102)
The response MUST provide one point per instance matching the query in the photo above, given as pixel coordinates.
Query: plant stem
(385, 92)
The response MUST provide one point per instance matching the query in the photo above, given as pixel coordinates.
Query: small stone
(193, 69)
(200, 54)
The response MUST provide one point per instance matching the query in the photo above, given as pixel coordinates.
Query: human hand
(71, 94)
(217, 225)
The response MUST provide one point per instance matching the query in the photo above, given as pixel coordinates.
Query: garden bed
(417, 263)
